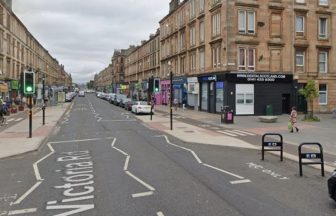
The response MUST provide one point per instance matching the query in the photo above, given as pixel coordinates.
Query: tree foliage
(310, 92)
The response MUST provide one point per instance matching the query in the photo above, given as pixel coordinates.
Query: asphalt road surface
(102, 161)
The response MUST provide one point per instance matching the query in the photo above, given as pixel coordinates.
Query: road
(103, 161)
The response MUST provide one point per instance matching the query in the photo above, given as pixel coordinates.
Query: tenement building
(142, 64)
(252, 56)
(20, 51)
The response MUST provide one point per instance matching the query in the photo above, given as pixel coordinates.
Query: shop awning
(3, 87)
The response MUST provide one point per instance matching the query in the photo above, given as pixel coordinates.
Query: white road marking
(83, 140)
(159, 214)
(223, 171)
(36, 170)
(23, 211)
(235, 132)
(99, 119)
(124, 120)
(18, 201)
(230, 134)
(78, 198)
(248, 133)
(140, 181)
(192, 152)
(52, 202)
(240, 181)
(200, 162)
(126, 163)
(148, 193)
(9, 120)
(142, 194)
(121, 151)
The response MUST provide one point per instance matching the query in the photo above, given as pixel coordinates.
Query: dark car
(332, 185)
(126, 103)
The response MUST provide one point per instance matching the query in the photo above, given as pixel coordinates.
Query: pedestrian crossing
(14, 119)
(235, 133)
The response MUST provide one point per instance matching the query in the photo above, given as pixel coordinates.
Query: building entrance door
(286, 103)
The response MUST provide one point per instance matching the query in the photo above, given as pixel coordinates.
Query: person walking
(175, 103)
(293, 119)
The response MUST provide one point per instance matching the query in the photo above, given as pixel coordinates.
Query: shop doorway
(212, 97)
(286, 103)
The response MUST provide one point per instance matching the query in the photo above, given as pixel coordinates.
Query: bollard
(272, 146)
(311, 156)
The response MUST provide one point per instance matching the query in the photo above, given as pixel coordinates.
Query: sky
(83, 34)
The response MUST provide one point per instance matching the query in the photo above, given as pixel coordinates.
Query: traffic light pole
(171, 100)
(43, 105)
(30, 115)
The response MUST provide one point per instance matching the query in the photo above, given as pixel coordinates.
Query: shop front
(164, 97)
(180, 90)
(211, 90)
(259, 94)
(193, 92)
(3, 89)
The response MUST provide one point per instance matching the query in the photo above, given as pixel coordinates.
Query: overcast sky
(82, 34)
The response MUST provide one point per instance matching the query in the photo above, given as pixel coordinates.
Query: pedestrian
(175, 103)
(293, 120)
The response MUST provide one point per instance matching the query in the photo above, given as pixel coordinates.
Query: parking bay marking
(241, 179)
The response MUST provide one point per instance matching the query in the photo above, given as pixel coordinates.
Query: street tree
(310, 92)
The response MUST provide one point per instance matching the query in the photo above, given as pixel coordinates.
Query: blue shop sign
(209, 78)
(179, 80)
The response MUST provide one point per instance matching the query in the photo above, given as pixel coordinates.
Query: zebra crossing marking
(230, 134)
(19, 119)
(235, 133)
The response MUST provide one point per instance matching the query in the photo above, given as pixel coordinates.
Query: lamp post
(43, 99)
(171, 95)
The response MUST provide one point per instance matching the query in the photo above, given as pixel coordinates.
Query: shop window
(240, 98)
(249, 99)
(323, 97)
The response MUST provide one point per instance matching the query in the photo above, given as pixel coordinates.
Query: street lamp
(171, 95)
(43, 99)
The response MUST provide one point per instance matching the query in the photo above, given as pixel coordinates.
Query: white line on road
(123, 120)
(240, 181)
(136, 195)
(140, 181)
(23, 211)
(223, 171)
(18, 201)
(99, 119)
(19, 119)
(200, 162)
(126, 163)
(121, 151)
(83, 140)
(9, 120)
(36, 170)
(159, 214)
(230, 134)
(248, 133)
(192, 152)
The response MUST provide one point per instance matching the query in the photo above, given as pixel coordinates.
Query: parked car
(68, 97)
(128, 105)
(81, 94)
(332, 185)
(124, 101)
(118, 98)
(141, 107)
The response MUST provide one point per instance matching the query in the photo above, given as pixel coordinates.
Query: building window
(323, 96)
(246, 59)
(299, 60)
(202, 59)
(323, 2)
(323, 62)
(182, 64)
(192, 9)
(183, 40)
(299, 25)
(246, 22)
(201, 6)
(192, 61)
(192, 35)
(201, 31)
(323, 28)
(300, 1)
(216, 56)
(215, 25)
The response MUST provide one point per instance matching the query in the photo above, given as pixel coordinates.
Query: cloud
(82, 34)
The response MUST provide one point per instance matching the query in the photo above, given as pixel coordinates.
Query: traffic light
(156, 85)
(29, 82)
(150, 84)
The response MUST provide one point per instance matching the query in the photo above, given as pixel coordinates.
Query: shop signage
(192, 80)
(209, 78)
(254, 77)
(15, 84)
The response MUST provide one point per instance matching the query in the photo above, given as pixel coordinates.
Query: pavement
(15, 140)
(189, 126)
